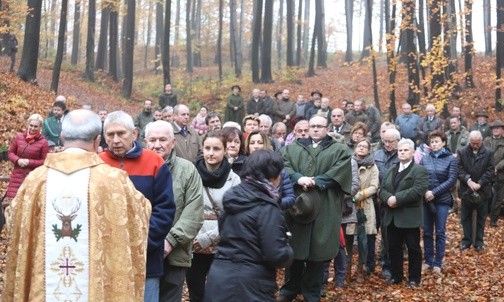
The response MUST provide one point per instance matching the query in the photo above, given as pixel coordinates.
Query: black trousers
(397, 237)
(196, 276)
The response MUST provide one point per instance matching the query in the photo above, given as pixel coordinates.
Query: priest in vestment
(78, 227)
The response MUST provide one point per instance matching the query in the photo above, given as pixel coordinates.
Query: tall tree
(469, 45)
(101, 54)
(61, 41)
(29, 58)
(114, 41)
(279, 33)
(367, 33)
(266, 76)
(299, 28)
(90, 44)
(196, 21)
(76, 34)
(129, 47)
(189, 65)
(420, 34)
(410, 52)
(159, 35)
(316, 29)
(149, 28)
(349, 29)
(499, 54)
(235, 39)
(290, 32)
(391, 58)
(373, 61)
(382, 21)
(436, 42)
(256, 39)
(166, 44)
(487, 25)
(176, 40)
(321, 41)
(306, 29)
(219, 39)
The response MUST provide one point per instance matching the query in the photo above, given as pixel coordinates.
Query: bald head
(81, 128)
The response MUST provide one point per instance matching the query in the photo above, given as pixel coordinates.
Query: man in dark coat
(12, 48)
(315, 163)
(428, 124)
(402, 192)
(476, 169)
(167, 98)
(255, 104)
(496, 144)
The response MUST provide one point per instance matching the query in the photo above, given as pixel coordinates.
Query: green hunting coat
(330, 164)
(51, 130)
(409, 195)
(235, 100)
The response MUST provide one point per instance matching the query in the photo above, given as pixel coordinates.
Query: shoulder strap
(212, 201)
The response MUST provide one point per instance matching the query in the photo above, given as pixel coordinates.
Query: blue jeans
(339, 266)
(151, 290)
(438, 221)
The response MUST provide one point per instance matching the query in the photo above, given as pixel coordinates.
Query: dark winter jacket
(19, 148)
(384, 160)
(478, 167)
(253, 244)
(153, 179)
(254, 107)
(287, 192)
(443, 173)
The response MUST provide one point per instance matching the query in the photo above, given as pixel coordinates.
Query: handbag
(347, 206)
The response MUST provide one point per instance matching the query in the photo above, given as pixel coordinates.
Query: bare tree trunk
(90, 44)
(499, 54)
(165, 54)
(149, 29)
(420, 33)
(114, 41)
(279, 34)
(487, 25)
(391, 61)
(367, 34)
(290, 32)
(382, 20)
(29, 58)
(197, 33)
(219, 39)
(349, 29)
(469, 45)
(321, 42)
(316, 29)
(159, 35)
(266, 76)
(256, 39)
(410, 52)
(435, 42)
(375, 76)
(299, 33)
(129, 47)
(234, 39)
(306, 30)
(461, 26)
(189, 65)
(59, 52)
(76, 34)
(101, 55)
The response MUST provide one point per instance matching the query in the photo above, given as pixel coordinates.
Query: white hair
(232, 124)
(265, 119)
(406, 141)
(119, 117)
(475, 134)
(36, 117)
(159, 124)
(81, 125)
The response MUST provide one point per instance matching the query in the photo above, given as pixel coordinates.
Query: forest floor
(467, 275)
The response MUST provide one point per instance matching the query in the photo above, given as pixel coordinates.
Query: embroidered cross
(67, 266)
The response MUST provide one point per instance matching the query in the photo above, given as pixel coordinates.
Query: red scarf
(31, 138)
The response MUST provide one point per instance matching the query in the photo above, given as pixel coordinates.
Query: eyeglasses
(318, 126)
(302, 130)
(363, 146)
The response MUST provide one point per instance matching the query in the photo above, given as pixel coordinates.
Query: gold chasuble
(78, 232)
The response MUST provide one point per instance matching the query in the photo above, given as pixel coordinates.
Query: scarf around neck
(213, 179)
(31, 138)
(366, 161)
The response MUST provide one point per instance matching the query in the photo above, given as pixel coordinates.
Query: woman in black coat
(254, 240)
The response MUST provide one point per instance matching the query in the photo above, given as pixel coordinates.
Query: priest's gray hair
(81, 125)
(119, 117)
(159, 124)
(407, 142)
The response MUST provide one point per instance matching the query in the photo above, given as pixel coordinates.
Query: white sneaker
(426, 267)
(436, 270)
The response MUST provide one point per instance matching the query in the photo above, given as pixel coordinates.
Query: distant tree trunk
(114, 41)
(29, 58)
(316, 29)
(290, 32)
(469, 45)
(499, 54)
(176, 40)
(321, 42)
(452, 31)
(266, 76)
(382, 20)
(256, 39)
(373, 61)
(391, 60)
(219, 39)
(59, 52)
(101, 55)
(420, 33)
(242, 21)
(45, 13)
(435, 41)
(299, 32)
(165, 54)
(123, 38)
(461, 25)
(90, 44)
(76, 34)
(367, 34)
(306, 30)
(487, 26)
(53, 19)
(129, 47)
(410, 52)
(197, 34)
(234, 39)
(159, 35)
(149, 29)
(349, 29)
(189, 65)
(279, 34)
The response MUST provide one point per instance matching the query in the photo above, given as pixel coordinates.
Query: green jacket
(188, 191)
(330, 164)
(497, 147)
(51, 130)
(167, 100)
(235, 100)
(409, 195)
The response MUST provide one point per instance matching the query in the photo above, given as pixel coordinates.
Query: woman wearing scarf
(254, 240)
(235, 148)
(443, 171)
(369, 182)
(27, 151)
(217, 178)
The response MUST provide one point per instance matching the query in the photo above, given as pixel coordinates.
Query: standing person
(12, 48)
(278, 133)
(167, 114)
(338, 124)
(188, 192)
(255, 104)
(402, 190)
(301, 130)
(357, 133)
(188, 142)
(456, 112)
(254, 240)
(235, 109)
(481, 124)
(285, 109)
(199, 122)
(167, 98)
(457, 137)
(407, 122)
(321, 166)
(267, 104)
(213, 121)
(217, 177)
(150, 176)
(52, 125)
(27, 151)
(357, 114)
(442, 167)
(143, 118)
(476, 168)
(374, 120)
(496, 144)
(235, 148)
(250, 123)
(430, 122)
(369, 183)
(102, 113)
(79, 227)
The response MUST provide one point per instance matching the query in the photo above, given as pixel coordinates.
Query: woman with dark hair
(257, 140)
(235, 148)
(217, 178)
(443, 171)
(358, 132)
(254, 240)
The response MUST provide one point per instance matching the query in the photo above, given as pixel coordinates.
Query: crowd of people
(136, 207)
